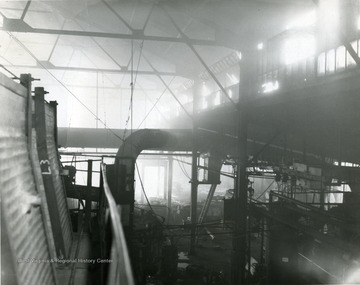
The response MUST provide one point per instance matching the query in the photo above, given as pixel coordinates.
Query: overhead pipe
(222, 143)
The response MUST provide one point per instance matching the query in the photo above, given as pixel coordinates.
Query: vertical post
(241, 202)
(88, 196)
(322, 185)
(194, 178)
(165, 166)
(247, 88)
(194, 189)
(25, 80)
(262, 259)
(132, 197)
(143, 180)
(158, 179)
(54, 104)
(97, 102)
(169, 186)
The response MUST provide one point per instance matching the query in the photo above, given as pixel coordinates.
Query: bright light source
(184, 99)
(233, 78)
(305, 20)
(205, 91)
(298, 48)
(358, 23)
(204, 104)
(270, 87)
(217, 100)
(260, 46)
(354, 277)
(230, 93)
(239, 55)
(329, 15)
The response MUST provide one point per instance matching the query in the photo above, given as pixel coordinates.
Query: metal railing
(120, 271)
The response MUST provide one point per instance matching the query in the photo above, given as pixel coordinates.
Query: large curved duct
(123, 172)
(154, 139)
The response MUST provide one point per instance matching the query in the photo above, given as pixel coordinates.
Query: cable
(132, 85)
(182, 168)
(15, 77)
(171, 92)
(154, 105)
(143, 189)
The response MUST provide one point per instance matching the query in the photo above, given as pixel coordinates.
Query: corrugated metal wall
(57, 181)
(23, 222)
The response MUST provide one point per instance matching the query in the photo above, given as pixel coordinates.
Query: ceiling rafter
(143, 29)
(169, 89)
(25, 10)
(50, 66)
(118, 16)
(105, 51)
(55, 44)
(202, 61)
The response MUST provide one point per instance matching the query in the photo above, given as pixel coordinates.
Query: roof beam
(20, 26)
(182, 35)
(56, 42)
(25, 10)
(170, 90)
(117, 15)
(48, 65)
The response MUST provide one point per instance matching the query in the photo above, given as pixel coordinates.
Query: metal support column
(169, 186)
(239, 240)
(88, 196)
(322, 185)
(54, 105)
(194, 190)
(262, 242)
(194, 177)
(25, 80)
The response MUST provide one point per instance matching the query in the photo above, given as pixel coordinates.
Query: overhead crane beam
(20, 26)
(50, 66)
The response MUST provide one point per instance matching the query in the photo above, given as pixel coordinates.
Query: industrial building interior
(180, 142)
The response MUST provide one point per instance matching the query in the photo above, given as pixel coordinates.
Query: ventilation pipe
(121, 174)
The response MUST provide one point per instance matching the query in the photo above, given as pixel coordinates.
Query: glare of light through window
(305, 20)
(217, 99)
(270, 86)
(329, 15)
(298, 48)
(205, 90)
(239, 55)
(233, 78)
